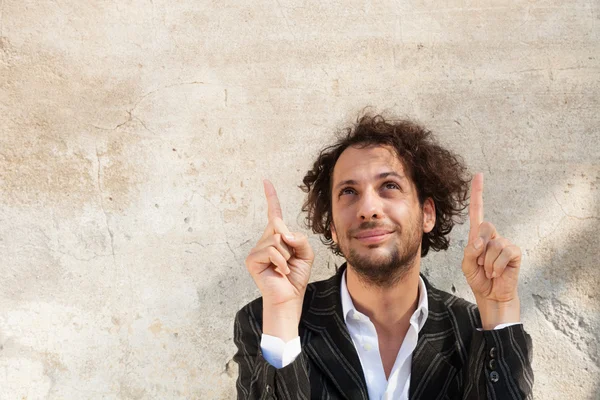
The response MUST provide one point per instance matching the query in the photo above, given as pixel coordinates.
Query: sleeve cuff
(278, 353)
(501, 326)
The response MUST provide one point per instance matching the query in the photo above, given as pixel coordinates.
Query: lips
(373, 233)
(373, 236)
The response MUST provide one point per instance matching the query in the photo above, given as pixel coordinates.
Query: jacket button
(269, 389)
(494, 376)
(493, 352)
(492, 364)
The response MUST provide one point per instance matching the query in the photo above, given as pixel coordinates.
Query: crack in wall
(485, 160)
(162, 88)
(572, 216)
(116, 127)
(130, 114)
(101, 193)
(287, 22)
(481, 144)
(222, 220)
(144, 125)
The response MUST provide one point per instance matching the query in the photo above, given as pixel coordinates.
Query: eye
(347, 190)
(391, 185)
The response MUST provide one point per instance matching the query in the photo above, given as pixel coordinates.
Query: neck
(387, 307)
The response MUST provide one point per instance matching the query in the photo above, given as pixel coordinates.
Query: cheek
(399, 212)
(340, 223)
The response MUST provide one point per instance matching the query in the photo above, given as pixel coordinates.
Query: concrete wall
(134, 136)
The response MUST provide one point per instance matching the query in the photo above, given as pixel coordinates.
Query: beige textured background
(134, 136)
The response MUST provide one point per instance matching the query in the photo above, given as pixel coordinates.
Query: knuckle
(496, 244)
(272, 251)
(488, 259)
(514, 251)
(286, 253)
(497, 264)
(488, 226)
(276, 220)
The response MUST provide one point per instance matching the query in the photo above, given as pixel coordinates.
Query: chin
(381, 264)
(379, 249)
(374, 256)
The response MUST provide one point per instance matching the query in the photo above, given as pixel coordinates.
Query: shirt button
(494, 376)
(493, 352)
(492, 364)
(356, 316)
(367, 347)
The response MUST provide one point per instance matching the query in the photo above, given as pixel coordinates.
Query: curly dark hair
(436, 172)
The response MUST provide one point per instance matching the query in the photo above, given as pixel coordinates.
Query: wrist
(281, 321)
(494, 313)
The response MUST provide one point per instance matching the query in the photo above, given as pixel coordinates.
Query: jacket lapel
(328, 342)
(432, 370)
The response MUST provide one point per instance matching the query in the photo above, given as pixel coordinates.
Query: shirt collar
(419, 316)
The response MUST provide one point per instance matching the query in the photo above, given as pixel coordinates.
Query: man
(382, 197)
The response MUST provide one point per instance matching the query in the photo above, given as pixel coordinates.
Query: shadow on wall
(567, 276)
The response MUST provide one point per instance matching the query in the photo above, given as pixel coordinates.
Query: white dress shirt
(363, 334)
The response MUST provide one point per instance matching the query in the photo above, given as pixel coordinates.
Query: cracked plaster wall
(134, 136)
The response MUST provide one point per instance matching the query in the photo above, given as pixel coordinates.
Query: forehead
(362, 163)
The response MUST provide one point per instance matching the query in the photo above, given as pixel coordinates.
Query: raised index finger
(273, 207)
(476, 206)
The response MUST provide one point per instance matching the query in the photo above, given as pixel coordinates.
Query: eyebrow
(382, 175)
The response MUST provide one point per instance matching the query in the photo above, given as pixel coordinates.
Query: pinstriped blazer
(452, 359)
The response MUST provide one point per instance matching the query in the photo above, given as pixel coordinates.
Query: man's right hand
(280, 265)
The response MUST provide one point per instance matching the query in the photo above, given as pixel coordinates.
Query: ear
(333, 232)
(428, 215)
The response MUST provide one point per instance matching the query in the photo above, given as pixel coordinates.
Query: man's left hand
(491, 266)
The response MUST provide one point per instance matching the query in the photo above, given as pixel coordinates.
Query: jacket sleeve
(257, 378)
(499, 365)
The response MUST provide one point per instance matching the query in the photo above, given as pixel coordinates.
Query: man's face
(378, 222)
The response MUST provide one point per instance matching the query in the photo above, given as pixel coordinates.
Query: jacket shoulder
(461, 311)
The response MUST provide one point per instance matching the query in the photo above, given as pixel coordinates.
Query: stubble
(387, 271)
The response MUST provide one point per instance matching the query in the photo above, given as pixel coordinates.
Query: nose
(370, 206)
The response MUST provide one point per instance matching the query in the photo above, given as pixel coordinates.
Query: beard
(385, 270)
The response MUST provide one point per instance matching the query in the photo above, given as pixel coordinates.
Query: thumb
(299, 243)
(472, 252)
